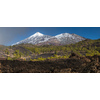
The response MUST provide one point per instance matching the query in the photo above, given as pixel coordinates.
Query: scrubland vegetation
(83, 48)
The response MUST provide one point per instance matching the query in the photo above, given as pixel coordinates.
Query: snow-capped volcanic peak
(35, 39)
(63, 35)
(36, 34)
(61, 39)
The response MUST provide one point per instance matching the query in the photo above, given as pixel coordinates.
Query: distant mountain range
(61, 39)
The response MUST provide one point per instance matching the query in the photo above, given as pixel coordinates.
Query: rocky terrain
(74, 64)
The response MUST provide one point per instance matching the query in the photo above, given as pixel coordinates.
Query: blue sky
(10, 35)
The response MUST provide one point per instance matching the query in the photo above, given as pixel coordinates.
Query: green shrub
(41, 59)
(9, 58)
(7, 51)
(31, 60)
(15, 58)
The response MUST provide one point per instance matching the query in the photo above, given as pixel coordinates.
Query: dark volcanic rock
(74, 64)
(74, 55)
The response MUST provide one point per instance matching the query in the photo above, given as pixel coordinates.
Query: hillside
(83, 48)
(32, 52)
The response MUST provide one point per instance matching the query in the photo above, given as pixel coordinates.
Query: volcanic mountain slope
(35, 39)
(67, 38)
(61, 39)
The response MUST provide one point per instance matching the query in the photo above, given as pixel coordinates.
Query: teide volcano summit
(61, 39)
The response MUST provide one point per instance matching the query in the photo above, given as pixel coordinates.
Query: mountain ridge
(60, 39)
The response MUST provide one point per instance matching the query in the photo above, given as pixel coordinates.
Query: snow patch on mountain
(64, 35)
(36, 34)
